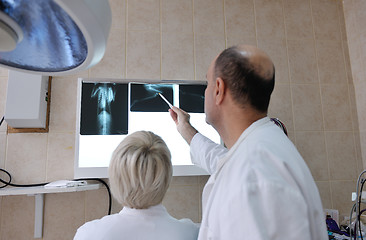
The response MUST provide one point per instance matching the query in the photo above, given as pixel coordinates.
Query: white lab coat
(260, 189)
(153, 223)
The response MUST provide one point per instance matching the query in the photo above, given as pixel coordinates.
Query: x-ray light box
(110, 109)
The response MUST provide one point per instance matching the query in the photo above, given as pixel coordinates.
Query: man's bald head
(249, 74)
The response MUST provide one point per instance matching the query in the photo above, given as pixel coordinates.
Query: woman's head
(140, 170)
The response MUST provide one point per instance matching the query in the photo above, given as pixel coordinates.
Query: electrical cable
(2, 120)
(350, 220)
(9, 183)
(359, 211)
(107, 187)
(357, 202)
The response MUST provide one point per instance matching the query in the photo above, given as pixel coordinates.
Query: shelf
(38, 193)
(42, 190)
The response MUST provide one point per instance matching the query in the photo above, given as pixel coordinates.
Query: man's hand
(181, 119)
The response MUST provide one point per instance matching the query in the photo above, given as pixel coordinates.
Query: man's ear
(219, 91)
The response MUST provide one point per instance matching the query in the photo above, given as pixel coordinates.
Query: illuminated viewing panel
(109, 109)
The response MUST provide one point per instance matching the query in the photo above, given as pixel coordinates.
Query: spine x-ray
(104, 109)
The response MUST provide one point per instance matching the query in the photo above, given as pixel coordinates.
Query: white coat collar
(151, 211)
(221, 162)
(245, 134)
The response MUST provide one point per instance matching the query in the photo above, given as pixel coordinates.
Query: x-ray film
(192, 98)
(145, 97)
(104, 108)
(111, 110)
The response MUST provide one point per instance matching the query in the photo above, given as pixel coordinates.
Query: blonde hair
(140, 170)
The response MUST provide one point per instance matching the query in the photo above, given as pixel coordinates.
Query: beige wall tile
(183, 202)
(324, 191)
(363, 143)
(342, 21)
(277, 51)
(118, 8)
(281, 106)
(350, 17)
(347, 62)
(17, 220)
(291, 136)
(202, 180)
(307, 107)
(113, 63)
(63, 104)
(238, 38)
(3, 90)
(303, 67)
(356, 60)
(184, 181)
(362, 49)
(143, 55)
(360, 103)
(240, 22)
(311, 146)
(143, 15)
(26, 157)
(177, 16)
(336, 107)
(298, 23)
(61, 152)
(354, 45)
(96, 204)
(331, 62)
(341, 194)
(359, 7)
(4, 72)
(353, 106)
(63, 215)
(326, 20)
(269, 19)
(207, 47)
(359, 162)
(209, 17)
(177, 56)
(341, 155)
(116, 206)
(3, 140)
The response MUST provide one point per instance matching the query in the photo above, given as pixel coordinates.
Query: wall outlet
(334, 213)
(363, 197)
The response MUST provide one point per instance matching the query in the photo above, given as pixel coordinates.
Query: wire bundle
(9, 183)
(357, 208)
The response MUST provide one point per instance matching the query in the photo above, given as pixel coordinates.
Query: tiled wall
(355, 18)
(175, 39)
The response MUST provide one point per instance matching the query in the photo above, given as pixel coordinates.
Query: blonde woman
(140, 172)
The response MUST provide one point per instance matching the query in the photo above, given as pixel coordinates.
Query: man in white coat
(260, 187)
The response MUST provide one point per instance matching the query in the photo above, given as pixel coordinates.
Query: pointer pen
(161, 95)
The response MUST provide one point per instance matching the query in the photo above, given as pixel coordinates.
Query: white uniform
(261, 188)
(138, 224)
